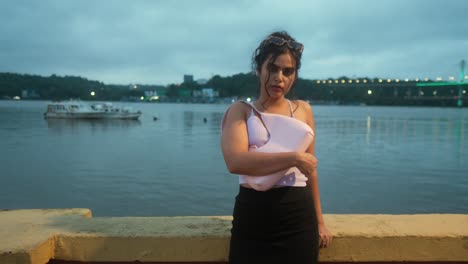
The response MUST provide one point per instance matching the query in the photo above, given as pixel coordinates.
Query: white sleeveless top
(277, 133)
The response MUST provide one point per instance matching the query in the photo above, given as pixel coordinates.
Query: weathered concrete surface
(26, 236)
(145, 239)
(35, 236)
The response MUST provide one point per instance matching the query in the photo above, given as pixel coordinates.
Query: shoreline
(229, 101)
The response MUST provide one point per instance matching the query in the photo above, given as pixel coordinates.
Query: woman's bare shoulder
(239, 109)
(303, 106)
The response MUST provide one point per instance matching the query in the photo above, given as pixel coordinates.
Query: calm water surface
(389, 160)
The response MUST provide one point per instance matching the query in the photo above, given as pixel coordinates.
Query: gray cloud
(158, 41)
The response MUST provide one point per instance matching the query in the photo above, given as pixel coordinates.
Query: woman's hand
(325, 237)
(307, 163)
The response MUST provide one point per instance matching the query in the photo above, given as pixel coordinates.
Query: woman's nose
(278, 75)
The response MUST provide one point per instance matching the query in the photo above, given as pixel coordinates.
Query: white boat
(82, 110)
(110, 111)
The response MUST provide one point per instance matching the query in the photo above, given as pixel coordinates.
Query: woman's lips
(276, 88)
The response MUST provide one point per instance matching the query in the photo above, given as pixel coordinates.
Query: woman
(277, 216)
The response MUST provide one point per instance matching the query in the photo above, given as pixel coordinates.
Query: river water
(375, 160)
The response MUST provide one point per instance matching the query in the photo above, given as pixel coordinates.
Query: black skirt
(276, 226)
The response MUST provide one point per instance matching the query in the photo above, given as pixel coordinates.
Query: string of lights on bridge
(420, 82)
(366, 80)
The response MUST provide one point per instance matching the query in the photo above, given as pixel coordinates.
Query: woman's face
(277, 76)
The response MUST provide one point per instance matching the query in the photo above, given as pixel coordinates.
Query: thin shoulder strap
(290, 108)
(252, 112)
(259, 114)
(252, 106)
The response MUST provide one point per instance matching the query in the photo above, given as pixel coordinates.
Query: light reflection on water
(371, 160)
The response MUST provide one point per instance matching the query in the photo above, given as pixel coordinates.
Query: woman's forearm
(316, 194)
(261, 163)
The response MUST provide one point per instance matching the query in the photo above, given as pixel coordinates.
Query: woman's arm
(235, 148)
(325, 235)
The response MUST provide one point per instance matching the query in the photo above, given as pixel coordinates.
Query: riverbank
(38, 236)
(415, 101)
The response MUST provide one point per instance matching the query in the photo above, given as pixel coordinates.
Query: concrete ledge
(36, 236)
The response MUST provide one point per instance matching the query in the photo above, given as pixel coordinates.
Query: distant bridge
(420, 90)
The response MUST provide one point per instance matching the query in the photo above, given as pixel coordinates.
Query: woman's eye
(272, 68)
(288, 71)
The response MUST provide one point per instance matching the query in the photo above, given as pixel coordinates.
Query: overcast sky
(157, 42)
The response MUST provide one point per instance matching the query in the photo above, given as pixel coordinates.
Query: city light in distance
(389, 80)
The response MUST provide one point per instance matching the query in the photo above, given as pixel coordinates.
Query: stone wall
(73, 235)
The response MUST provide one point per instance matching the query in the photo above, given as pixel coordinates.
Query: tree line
(342, 90)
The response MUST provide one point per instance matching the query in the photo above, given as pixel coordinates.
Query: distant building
(188, 78)
(209, 93)
(197, 93)
(184, 93)
(29, 94)
(202, 81)
(151, 93)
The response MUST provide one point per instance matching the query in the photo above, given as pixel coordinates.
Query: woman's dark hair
(266, 48)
